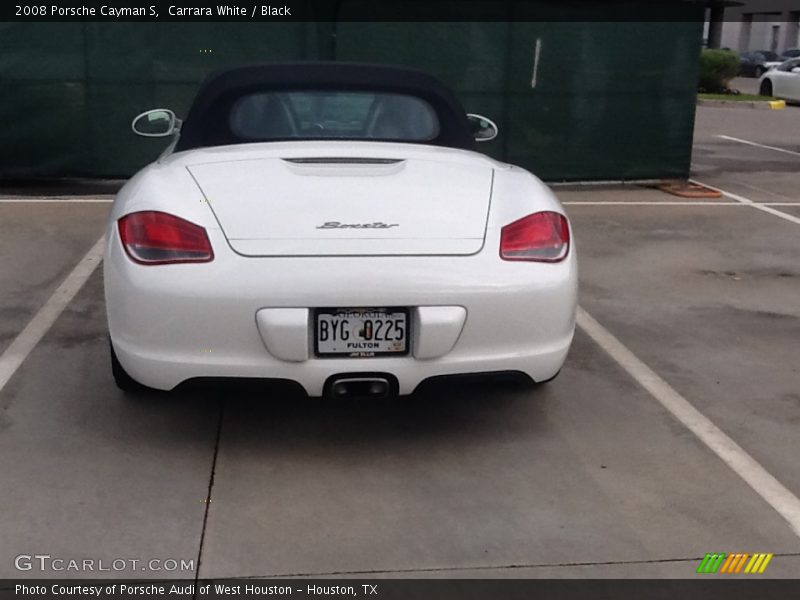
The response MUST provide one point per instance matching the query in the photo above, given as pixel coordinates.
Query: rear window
(330, 114)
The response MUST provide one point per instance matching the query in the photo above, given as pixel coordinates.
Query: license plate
(361, 332)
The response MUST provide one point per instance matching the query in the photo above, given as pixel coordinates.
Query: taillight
(158, 238)
(540, 237)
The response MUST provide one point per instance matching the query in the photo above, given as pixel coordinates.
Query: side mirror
(159, 122)
(483, 129)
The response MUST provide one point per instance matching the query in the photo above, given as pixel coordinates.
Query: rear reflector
(158, 238)
(540, 237)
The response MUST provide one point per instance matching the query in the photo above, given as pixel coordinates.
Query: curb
(758, 104)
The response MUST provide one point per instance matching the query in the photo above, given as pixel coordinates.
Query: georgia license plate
(360, 332)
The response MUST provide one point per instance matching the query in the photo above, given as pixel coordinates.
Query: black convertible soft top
(207, 122)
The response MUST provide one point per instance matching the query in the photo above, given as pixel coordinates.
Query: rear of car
(335, 260)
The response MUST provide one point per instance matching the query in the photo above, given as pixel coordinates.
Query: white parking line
(34, 331)
(748, 202)
(781, 197)
(757, 145)
(744, 465)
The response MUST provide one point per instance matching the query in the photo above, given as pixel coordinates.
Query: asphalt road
(593, 475)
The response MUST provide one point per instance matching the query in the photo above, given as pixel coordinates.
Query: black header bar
(353, 10)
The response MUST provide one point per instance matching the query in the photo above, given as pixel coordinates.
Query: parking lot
(671, 431)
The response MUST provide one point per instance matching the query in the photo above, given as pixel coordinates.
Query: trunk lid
(323, 206)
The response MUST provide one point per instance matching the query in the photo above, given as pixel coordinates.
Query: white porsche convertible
(331, 224)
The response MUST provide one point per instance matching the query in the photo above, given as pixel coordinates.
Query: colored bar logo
(735, 563)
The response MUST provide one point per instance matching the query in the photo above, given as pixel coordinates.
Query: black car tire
(760, 71)
(766, 88)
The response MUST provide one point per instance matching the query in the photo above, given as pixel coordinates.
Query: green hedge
(717, 68)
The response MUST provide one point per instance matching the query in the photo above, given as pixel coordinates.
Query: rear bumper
(167, 372)
(172, 323)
